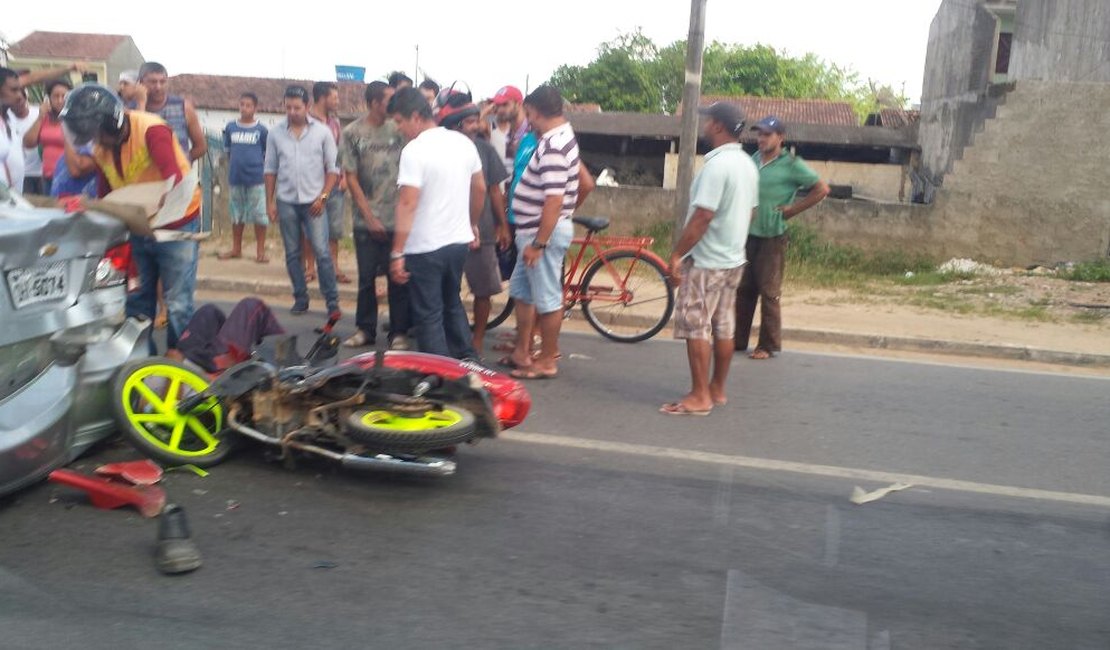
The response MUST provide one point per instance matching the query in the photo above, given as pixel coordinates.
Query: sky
(520, 44)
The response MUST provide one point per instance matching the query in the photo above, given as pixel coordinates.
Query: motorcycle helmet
(91, 109)
(453, 106)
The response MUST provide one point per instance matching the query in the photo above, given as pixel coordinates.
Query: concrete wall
(1016, 198)
(630, 208)
(215, 121)
(1061, 40)
(954, 99)
(878, 182)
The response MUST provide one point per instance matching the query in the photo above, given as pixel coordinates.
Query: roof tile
(67, 45)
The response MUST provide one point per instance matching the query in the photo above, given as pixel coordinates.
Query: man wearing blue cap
(781, 176)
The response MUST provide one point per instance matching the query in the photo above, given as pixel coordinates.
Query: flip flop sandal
(677, 408)
(530, 374)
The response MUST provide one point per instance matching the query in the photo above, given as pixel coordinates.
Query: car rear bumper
(65, 409)
(34, 427)
(93, 417)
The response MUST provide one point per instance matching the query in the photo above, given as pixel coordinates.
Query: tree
(620, 78)
(631, 73)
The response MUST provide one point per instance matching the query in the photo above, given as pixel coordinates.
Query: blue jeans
(294, 221)
(435, 283)
(175, 264)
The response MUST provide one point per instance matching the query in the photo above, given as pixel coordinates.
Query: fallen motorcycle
(393, 411)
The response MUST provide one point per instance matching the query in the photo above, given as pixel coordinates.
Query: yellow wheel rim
(430, 420)
(150, 398)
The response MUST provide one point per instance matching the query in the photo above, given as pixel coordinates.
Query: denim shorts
(335, 209)
(542, 284)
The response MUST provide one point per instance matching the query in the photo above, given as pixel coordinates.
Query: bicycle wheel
(626, 297)
(500, 311)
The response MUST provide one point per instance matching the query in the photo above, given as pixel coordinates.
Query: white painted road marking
(830, 471)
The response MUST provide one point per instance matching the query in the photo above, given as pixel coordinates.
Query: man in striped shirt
(544, 200)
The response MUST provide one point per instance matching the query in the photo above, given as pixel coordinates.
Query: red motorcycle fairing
(511, 401)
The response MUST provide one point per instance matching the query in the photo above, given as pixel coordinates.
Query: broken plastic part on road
(859, 497)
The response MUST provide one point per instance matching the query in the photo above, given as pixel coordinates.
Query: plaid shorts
(705, 305)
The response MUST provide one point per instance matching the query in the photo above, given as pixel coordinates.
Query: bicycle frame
(601, 246)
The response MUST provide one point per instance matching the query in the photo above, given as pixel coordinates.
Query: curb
(268, 289)
(952, 348)
(825, 337)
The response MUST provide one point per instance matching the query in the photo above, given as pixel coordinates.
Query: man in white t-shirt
(441, 195)
(21, 117)
(11, 144)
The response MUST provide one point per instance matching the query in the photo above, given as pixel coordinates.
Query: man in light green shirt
(781, 176)
(709, 257)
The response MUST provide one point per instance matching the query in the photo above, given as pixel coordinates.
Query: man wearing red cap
(510, 108)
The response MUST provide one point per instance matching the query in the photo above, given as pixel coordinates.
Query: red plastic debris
(109, 494)
(136, 472)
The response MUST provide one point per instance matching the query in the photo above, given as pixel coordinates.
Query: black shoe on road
(176, 551)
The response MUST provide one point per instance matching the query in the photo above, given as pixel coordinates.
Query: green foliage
(1089, 272)
(631, 73)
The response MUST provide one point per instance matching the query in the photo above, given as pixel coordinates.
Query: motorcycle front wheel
(389, 430)
(145, 396)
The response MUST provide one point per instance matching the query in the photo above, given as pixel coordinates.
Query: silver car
(63, 334)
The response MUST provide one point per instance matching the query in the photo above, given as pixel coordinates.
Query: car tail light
(113, 269)
(511, 409)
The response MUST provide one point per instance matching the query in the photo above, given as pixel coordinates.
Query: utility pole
(416, 68)
(691, 100)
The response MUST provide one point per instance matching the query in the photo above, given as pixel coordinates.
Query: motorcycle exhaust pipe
(381, 462)
(386, 463)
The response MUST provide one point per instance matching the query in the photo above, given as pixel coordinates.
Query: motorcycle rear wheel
(388, 430)
(145, 396)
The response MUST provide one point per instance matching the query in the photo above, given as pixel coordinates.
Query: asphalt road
(603, 524)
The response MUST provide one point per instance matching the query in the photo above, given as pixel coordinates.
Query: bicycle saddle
(593, 224)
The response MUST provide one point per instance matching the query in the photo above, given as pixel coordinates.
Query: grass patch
(990, 290)
(1088, 272)
(932, 278)
(662, 232)
(1033, 312)
(1089, 317)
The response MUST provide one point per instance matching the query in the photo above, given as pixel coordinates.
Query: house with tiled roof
(864, 160)
(104, 55)
(216, 97)
(822, 112)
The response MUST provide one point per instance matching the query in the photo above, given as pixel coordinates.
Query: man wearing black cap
(781, 176)
(708, 259)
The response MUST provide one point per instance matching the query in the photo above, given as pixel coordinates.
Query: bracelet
(536, 244)
(394, 256)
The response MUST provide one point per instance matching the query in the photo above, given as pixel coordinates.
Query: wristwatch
(536, 244)
(324, 196)
(394, 256)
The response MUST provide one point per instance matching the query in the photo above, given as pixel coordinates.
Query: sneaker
(400, 343)
(299, 309)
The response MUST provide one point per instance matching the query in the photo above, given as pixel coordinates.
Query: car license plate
(37, 284)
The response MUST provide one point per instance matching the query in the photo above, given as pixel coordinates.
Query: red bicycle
(620, 284)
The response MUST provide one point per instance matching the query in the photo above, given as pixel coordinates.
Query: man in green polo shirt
(781, 176)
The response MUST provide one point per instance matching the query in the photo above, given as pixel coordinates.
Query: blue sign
(349, 73)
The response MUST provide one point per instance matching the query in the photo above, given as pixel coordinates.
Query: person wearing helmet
(483, 273)
(132, 147)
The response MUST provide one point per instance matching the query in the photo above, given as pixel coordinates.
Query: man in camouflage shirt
(370, 155)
